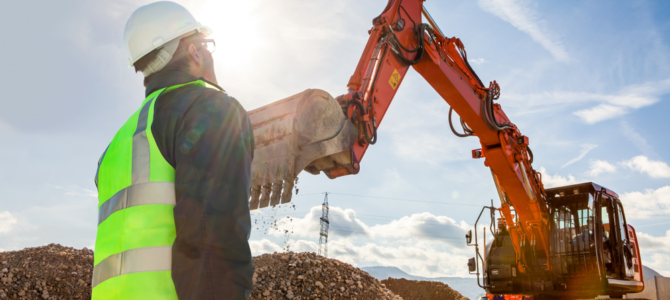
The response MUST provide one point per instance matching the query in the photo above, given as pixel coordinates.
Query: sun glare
(237, 30)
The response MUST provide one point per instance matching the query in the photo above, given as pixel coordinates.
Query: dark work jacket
(206, 136)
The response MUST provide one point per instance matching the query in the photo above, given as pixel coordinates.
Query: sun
(237, 30)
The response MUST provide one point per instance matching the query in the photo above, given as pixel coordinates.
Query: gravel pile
(58, 272)
(422, 290)
(309, 276)
(47, 272)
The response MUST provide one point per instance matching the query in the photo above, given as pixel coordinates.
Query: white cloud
(478, 61)
(585, 149)
(650, 243)
(610, 106)
(7, 222)
(601, 166)
(550, 181)
(521, 15)
(660, 244)
(655, 169)
(650, 203)
(660, 263)
(424, 226)
(629, 98)
(344, 224)
(423, 244)
(263, 246)
(600, 113)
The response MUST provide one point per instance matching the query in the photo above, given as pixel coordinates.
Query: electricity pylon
(323, 235)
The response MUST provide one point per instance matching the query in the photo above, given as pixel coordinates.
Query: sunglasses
(208, 44)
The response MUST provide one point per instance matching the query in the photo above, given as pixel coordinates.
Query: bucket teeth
(276, 192)
(255, 198)
(288, 192)
(289, 136)
(265, 195)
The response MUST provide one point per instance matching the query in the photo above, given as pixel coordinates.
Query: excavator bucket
(305, 131)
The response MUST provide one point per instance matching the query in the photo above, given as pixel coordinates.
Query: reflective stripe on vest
(139, 194)
(146, 259)
(136, 229)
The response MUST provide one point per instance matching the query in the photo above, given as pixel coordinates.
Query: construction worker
(173, 184)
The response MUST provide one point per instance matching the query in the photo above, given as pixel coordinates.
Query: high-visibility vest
(136, 228)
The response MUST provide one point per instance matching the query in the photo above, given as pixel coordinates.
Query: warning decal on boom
(395, 79)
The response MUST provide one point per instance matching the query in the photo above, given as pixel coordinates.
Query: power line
(376, 217)
(354, 230)
(408, 200)
(453, 203)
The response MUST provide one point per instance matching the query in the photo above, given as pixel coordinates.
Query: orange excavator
(570, 241)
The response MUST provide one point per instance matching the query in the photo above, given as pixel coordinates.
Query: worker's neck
(206, 73)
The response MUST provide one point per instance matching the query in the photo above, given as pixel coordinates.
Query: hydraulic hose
(358, 105)
(371, 140)
(467, 131)
(395, 44)
(487, 110)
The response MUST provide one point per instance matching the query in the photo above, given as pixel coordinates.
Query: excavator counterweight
(307, 131)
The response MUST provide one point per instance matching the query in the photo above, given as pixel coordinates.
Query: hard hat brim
(206, 31)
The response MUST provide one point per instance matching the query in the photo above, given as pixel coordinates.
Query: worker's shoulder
(216, 98)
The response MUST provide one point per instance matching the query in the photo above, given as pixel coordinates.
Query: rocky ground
(58, 272)
(47, 272)
(308, 276)
(422, 290)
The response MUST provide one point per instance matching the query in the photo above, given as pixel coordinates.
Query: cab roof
(587, 187)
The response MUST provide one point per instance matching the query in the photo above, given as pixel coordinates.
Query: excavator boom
(314, 132)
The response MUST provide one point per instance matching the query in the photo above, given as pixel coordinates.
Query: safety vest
(136, 228)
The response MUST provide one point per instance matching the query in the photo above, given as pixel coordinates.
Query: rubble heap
(47, 272)
(309, 276)
(57, 272)
(422, 290)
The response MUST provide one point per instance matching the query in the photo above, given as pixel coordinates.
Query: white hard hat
(153, 25)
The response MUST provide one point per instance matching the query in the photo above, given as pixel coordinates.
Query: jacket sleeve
(213, 150)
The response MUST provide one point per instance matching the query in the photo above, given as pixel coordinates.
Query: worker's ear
(194, 56)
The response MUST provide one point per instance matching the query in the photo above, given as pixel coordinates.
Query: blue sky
(587, 81)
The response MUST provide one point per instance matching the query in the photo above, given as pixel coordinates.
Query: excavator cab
(593, 251)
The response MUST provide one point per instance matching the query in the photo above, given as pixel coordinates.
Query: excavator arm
(314, 132)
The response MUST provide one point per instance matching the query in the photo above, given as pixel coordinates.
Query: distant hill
(649, 273)
(466, 286)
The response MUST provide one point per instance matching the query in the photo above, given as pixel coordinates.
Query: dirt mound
(57, 272)
(422, 290)
(309, 276)
(47, 272)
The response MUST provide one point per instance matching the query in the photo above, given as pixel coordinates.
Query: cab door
(623, 241)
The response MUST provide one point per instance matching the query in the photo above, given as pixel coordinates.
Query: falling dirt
(275, 219)
(422, 290)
